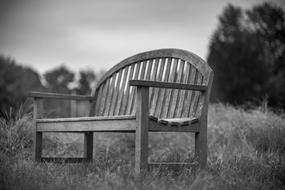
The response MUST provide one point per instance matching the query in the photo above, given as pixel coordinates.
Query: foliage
(247, 54)
(246, 151)
(59, 79)
(15, 82)
(84, 84)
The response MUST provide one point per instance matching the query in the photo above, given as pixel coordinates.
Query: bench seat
(124, 123)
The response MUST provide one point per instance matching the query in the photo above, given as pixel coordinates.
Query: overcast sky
(97, 34)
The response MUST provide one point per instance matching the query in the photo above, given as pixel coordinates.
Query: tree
(86, 79)
(247, 55)
(59, 79)
(15, 82)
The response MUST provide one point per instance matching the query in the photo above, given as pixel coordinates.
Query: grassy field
(246, 151)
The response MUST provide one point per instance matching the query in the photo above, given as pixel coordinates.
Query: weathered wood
(121, 91)
(111, 124)
(153, 77)
(97, 103)
(38, 136)
(175, 165)
(110, 94)
(142, 120)
(161, 53)
(192, 96)
(171, 85)
(201, 136)
(88, 125)
(176, 93)
(88, 146)
(195, 96)
(157, 91)
(183, 93)
(115, 94)
(131, 102)
(123, 109)
(162, 110)
(63, 160)
(46, 95)
(187, 94)
(102, 101)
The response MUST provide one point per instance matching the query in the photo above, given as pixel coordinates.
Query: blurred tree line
(16, 81)
(247, 54)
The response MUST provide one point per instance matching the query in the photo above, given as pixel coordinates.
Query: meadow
(246, 150)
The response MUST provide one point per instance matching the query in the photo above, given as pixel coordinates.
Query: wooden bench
(164, 90)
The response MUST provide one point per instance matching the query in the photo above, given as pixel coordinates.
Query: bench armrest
(173, 85)
(45, 95)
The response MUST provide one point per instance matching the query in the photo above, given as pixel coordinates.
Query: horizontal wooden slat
(88, 125)
(159, 127)
(102, 124)
(63, 160)
(174, 165)
(172, 85)
(178, 121)
(59, 96)
(79, 119)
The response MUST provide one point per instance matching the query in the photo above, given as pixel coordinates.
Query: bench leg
(141, 147)
(38, 136)
(201, 149)
(88, 146)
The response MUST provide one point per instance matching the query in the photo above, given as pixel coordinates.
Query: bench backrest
(114, 96)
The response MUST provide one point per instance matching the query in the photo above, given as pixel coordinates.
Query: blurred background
(65, 46)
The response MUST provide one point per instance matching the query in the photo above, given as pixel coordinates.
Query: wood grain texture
(171, 93)
(38, 136)
(157, 91)
(114, 99)
(125, 100)
(188, 56)
(176, 93)
(160, 112)
(46, 95)
(63, 160)
(131, 101)
(142, 120)
(174, 84)
(121, 91)
(109, 95)
(182, 95)
(201, 147)
(88, 146)
(171, 85)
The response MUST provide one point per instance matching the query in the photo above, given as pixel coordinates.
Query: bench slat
(193, 81)
(109, 94)
(104, 97)
(186, 102)
(131, 101)
(161, 93)
(156, 91)
(153, 77)
(127, 91)
(109, 124)
(177, 94)
(98, 103)
(195, 96)
(174, 76)
(121, 91)
(114, 99)
(181, 102)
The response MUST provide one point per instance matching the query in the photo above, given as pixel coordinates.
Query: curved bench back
(114, 96)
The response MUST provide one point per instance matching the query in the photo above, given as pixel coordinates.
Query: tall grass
(246, 151)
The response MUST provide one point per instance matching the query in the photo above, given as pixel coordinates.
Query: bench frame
(140, 124)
